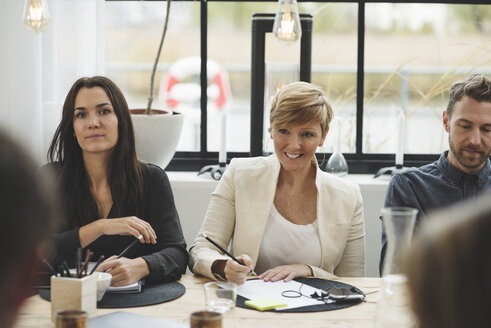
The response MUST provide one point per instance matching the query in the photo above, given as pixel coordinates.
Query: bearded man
(463, 171)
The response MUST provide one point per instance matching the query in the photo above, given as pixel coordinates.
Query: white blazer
(241, 204)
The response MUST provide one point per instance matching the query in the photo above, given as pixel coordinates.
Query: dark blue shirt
(432, 186)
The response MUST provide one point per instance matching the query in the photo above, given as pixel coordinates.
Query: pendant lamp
(36, 15)
(286, 26)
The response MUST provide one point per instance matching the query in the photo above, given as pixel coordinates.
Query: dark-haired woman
(110, 198)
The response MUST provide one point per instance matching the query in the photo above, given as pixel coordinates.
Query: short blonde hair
(298, 103)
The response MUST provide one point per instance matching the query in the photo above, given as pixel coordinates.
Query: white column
(222, 155)
(401, 123)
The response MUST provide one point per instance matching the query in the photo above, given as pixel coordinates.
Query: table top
(36, 312)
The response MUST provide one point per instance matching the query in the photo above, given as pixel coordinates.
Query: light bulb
(286, 25)
(36, 15)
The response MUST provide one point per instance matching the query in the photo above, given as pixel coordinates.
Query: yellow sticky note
(264, 304)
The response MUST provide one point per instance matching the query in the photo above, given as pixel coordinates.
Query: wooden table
(36, 312)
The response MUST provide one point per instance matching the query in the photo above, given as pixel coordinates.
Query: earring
(323, 156)
(267, 146)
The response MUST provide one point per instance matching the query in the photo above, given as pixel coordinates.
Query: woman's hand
(286, 272)
(233, 271)
(130, 225)
(236, 273)
(125, 271)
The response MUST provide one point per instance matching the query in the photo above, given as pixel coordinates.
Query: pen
(78, 259)
(224, 251)
(99, 261)
(130, 246)
(83, 270)
(50, 267)
(65, 266)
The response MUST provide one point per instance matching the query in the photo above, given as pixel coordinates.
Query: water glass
(399, 225)
(220, 296)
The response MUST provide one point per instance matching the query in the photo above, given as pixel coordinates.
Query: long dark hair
(125, 172)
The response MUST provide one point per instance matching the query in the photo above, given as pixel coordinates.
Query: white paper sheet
(258, 289)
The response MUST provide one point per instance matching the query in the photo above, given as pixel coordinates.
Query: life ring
(181, 84)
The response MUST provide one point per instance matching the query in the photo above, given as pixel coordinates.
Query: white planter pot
(157, 135)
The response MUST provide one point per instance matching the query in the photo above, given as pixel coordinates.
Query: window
(133, 31)
(413, 53)
(373, 59)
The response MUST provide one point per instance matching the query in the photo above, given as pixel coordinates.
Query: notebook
(131, 288)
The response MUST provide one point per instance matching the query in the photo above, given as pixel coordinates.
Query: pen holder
(73, 294)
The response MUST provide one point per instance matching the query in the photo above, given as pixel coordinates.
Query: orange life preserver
(187, 68)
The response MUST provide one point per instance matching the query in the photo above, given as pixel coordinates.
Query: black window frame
(358, 162)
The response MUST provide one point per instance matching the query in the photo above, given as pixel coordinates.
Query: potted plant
(157, 132)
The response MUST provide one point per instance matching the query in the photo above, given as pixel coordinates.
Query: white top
(240, 206)
(285, 242)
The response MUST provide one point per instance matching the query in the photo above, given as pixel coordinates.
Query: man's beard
(468, 162)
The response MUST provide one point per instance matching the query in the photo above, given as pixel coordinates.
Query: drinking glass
(206, 319)
(71, 319)
(220, 296)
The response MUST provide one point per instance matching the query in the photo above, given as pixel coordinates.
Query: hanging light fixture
(286, 25)
(36, 15)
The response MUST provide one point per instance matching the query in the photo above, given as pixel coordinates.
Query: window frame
(358, 162)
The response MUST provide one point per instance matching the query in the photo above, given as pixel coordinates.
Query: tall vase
(337, 163)
(394, 305)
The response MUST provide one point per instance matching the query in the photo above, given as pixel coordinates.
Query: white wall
(20, 76)
(192, 195)
(73, 47)
(37, 70)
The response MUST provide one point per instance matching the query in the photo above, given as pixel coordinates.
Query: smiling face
(94, 121)
(469, 129)
(295, 145)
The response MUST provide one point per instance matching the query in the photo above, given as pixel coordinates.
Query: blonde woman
(284, 216)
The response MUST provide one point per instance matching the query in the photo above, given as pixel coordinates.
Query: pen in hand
(130, 246)
(224, 251)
